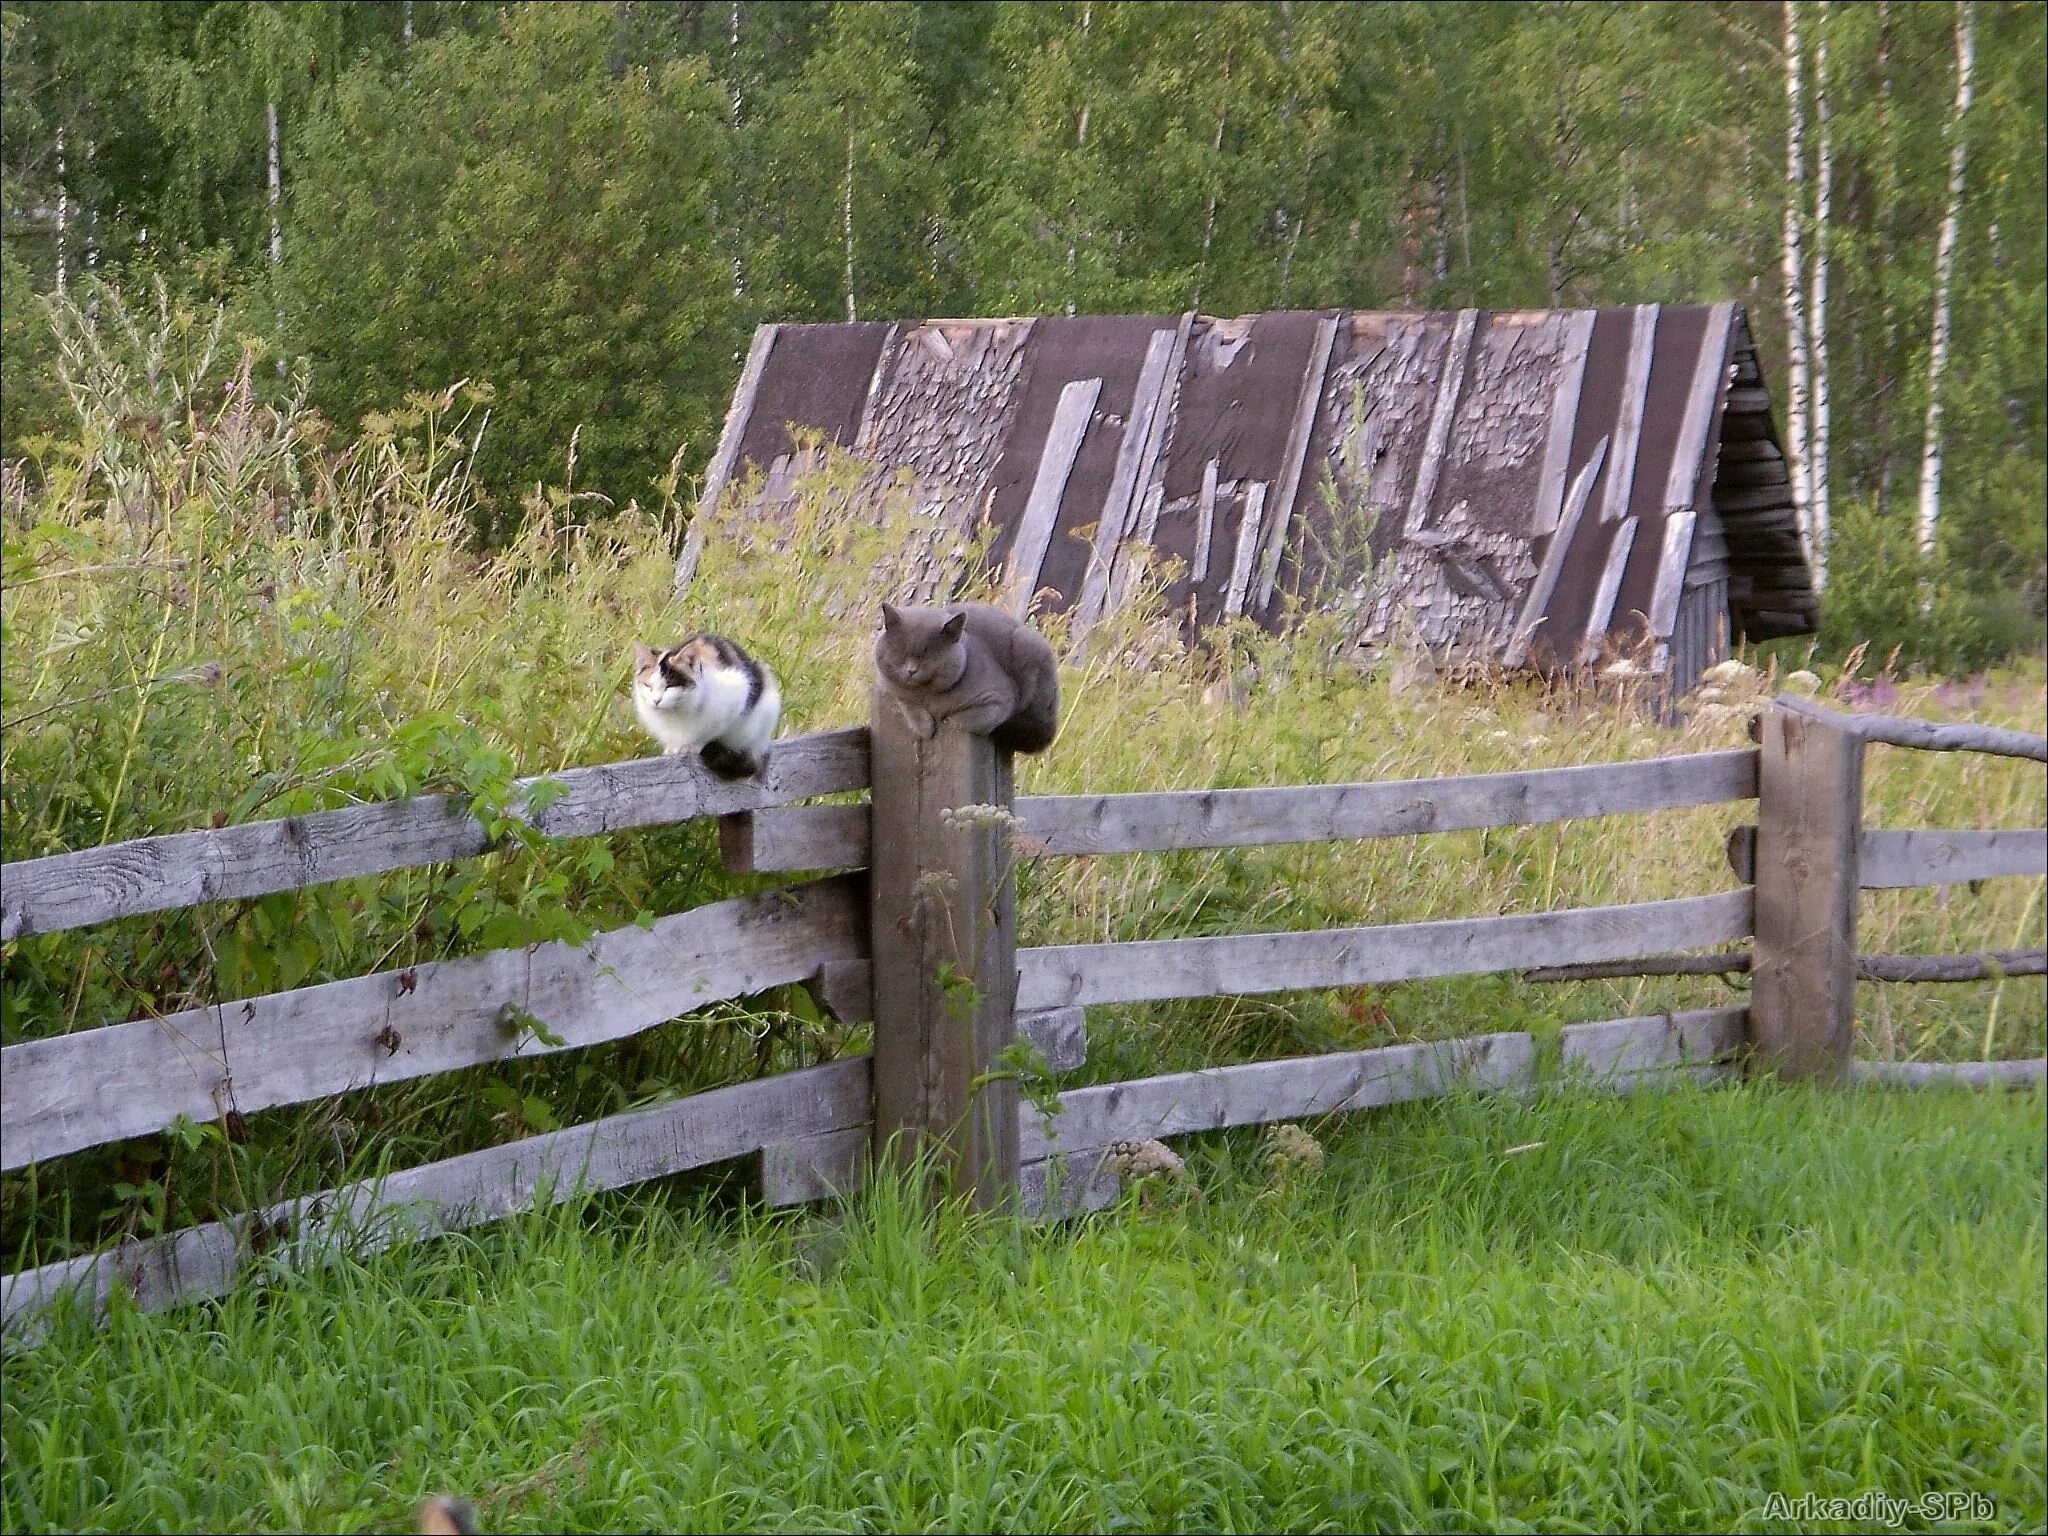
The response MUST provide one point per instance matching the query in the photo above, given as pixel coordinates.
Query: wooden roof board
(1514, 417)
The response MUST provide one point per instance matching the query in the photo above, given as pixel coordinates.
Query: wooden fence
(916, 931)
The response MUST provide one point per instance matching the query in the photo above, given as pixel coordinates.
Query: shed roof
(1532, 485)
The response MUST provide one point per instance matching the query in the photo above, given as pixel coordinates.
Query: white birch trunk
(1944, 271)
(846, 229)
(1080, 143)
(1209, 213)
(1823, 196)
(406, 34)
(1799, 450)
(63, 211)
(739, 271)
(276, 185)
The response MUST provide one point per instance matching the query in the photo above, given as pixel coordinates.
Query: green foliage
(508, 210)
(1648, 1313)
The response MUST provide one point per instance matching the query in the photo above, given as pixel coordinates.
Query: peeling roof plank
(1709, 375)
(1247, 548)
(1144, 486)
(1628, 422)
(1671, 564)
(1062, 446)
(1205, 532)
(1545, 584)
(1116, 506)
(720, 472)
(863, 436)
(1564, 418)
(1448, 384)
(1602, 613)
(1295, 455)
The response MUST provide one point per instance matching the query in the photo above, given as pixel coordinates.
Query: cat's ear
(890, 617)
(643, 656)
(950, 630)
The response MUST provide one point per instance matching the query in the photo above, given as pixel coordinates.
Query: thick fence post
(1802, 999)
(945, 960)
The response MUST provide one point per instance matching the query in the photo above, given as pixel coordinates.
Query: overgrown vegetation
(214, 614)
(1645, 1314)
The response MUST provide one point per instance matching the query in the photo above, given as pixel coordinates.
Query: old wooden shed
(1537, 487)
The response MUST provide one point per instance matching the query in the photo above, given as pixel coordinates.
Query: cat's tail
(731, 763)
(447, 1517)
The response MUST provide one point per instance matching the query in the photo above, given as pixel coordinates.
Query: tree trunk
(1080, 143)
(1799, 450)
(1944, 271)
(1887, 200)
(276, 228)
(406, 34)
(63, 210)
(1215, 189)
(739, 271)
(846, 229)
(1823, 195)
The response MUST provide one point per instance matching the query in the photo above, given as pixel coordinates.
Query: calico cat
(708, 696)
(975, 666)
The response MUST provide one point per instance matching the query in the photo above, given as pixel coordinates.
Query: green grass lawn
(1577, 1313)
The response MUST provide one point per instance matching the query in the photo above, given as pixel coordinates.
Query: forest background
(584, 209)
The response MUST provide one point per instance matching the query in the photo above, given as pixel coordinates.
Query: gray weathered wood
(1061, 1035)
(1132, 461)
(815, 1167)
(865, 430)
(794, 838)
(1628, 421)
(1236, 964)
(1457, 357)
(1672, 558)
(2029, 1072)
(1617, 1048)
(1205, 524)
(1601, 614)
(1247, 549)
(1730, 962)
(1299, 432)
(461, 1192)
(153, 874)
(1235, 818)
(1985, 967)
(1564, 421)
(943, 905)
(1893, 859)
(1802, 1000)
(1544, 585)
(1055, 463)
(719, 473)
(836, 836)
(96, 1086)
(1924, 734)
(1702, 399)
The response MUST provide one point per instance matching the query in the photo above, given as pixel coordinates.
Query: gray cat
(975, 666)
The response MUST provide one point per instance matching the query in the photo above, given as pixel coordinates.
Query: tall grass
(1564, 1314)
(215, 612)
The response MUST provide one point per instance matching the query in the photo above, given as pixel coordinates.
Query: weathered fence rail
(923, 944)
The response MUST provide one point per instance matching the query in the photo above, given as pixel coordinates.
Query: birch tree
(1797, 387)
(1823, 197)
(1944, 273)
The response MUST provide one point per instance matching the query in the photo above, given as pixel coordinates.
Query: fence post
(944, 935)
(1802, 996)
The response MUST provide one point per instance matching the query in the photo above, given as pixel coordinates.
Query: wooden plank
(1299, 433)
(1924, 734)
(794, 838)
(1132, 457)
(865, 430)
(460, 1192)
(1986, 967)
(1260, 1092)
(1628, 421)
(154, 874)
(943, 923)
(1148, 489)
(1250, 963)
(1602, 612)
(1564, 421)
(719, 473)
(1618, 1048)
(2027, 1073)
(1247, 549)
(1672, 559)
(1890, 860)
(1457, 357)
(1702, 399)
(1070, 422)
(1205, 525)
(96, 1086)
(1237, 818)
(1727, 962)
(815, 1167)
(1545, 584)
(1061, 1035)
(1802, 999)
